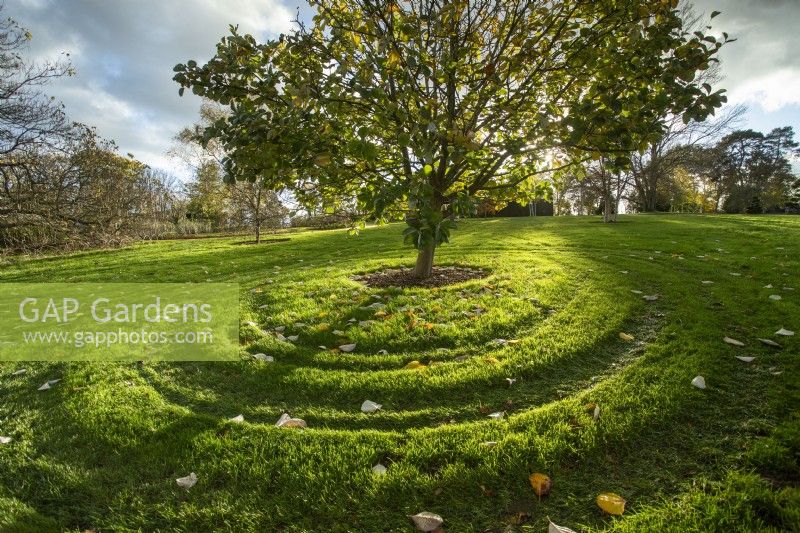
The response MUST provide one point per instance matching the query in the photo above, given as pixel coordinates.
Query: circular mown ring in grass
(404, 277)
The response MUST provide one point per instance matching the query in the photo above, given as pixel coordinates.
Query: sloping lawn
(101, 450)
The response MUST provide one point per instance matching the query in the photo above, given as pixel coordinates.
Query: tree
(608, 184)
(247, 203)
(207, 196)
(28, 118)
(653, 166)
(754, 170)
(417, 108)
(258, 207)
(79, 193)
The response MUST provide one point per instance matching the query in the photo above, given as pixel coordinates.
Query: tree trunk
(258, 216)
(609, 213)
(424, 267)
(650, 200)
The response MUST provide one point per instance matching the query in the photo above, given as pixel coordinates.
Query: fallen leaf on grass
(555, 528)
(238, 419)
(263, 357)
(286, 421)
(19, 372)
(489, 444)
(707, 282)
(775, 297)
(732, 342)
(611, 503)
(5, 440)
(498, 415)
(426, 521)
(370, 406)
(48, 384)
(347, 347)
(625, 336)
(187, 482)
(650, 297)
(414, 365)
(699, 382)
(511, 381)
(492, 360)
(541, 484)
(744, 358)
(784, 332)
(770, 342)
(379, 469)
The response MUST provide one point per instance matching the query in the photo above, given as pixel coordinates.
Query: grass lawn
(102, 448)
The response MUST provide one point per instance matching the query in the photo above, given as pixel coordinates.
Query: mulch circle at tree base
(404, 277)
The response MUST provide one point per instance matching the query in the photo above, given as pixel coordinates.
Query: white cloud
(771, 92)
(124, 52)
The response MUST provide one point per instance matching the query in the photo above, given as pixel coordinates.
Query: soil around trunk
(404, 277)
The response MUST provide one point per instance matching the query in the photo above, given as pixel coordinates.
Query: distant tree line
(64, 186)
(741, 171)
(693, 166)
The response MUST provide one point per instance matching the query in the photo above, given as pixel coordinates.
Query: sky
(124, 51)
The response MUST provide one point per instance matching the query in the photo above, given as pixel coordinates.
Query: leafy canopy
(420, 107)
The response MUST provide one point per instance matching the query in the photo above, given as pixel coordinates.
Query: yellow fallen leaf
(415, 365)
(541, 484)
(492, 360)
(323, 327)
(611, 503)
(626, 337)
